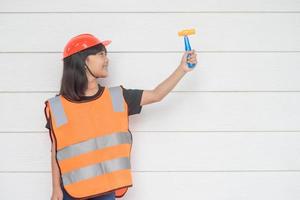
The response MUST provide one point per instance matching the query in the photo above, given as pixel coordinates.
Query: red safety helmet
(81, 42)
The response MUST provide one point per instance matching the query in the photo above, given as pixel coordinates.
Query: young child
(88, 123)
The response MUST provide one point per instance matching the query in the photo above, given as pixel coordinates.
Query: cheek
(98, 63)
(101, 63)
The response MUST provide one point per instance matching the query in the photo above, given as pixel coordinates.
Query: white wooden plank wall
(230, 130)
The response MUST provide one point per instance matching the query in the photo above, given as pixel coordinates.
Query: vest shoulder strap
(58, 111)
(116, 94)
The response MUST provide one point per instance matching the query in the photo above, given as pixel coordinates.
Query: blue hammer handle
(188, 48)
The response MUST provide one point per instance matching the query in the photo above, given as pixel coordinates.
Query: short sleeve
(47, 125)
(133, 99)
(46, 112)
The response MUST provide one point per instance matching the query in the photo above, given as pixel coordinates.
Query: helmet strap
(87, 66)
(90, 71)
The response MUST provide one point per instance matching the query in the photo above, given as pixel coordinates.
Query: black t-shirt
(132, 97)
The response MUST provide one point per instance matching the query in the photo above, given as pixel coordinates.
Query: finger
(193, 59)
(193, 56)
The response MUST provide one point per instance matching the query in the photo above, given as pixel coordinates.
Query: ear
(87, 60)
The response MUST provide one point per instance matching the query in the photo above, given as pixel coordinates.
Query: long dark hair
(74, 81)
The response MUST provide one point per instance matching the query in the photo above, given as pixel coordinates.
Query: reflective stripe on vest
(58, 111)
(93, 144)
(96, 170)
(117, 97)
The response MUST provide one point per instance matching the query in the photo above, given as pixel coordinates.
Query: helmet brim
(106, 42)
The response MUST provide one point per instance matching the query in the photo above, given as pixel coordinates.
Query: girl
(84, 60)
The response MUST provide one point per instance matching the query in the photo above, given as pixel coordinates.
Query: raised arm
(157, 94)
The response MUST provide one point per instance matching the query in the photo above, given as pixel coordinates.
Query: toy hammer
(187, 45)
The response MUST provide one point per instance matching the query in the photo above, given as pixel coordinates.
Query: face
(98, 64)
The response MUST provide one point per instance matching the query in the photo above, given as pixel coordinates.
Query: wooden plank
(185, 151)
(179, 111)
(152, 31)
(38, 72)
(148, 6)
(173, 185)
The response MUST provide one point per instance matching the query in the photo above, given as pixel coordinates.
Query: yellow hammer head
(187, 32)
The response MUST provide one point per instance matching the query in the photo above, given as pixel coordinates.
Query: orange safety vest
(93, 143)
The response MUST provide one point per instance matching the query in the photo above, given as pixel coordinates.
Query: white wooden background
(230, 130)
